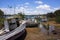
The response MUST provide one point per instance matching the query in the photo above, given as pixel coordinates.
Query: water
(43, 30)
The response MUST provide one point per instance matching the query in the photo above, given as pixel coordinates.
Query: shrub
(1, 22)
(46, 26)
(58, 19)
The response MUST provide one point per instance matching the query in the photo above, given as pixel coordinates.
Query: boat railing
(14, 32)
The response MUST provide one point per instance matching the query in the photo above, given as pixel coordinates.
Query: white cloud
(37, 12)
(45, 6)
(39, 2)
(26, 6)
(11, 10)
(41, 9)
(7, 10)
(17, 10)
(27, 3)
(28, 11)
(56, 8)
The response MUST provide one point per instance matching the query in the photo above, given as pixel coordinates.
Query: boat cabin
(11, 28)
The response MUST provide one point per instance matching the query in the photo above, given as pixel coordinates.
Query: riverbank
(34, 34)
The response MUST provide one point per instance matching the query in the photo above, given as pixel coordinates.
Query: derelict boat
(12, 29)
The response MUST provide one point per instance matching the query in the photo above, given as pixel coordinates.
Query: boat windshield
(9, 25)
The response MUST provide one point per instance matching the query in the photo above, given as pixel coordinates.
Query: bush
(51, 19)
(46, 26)
(1, 22)
(58, 19)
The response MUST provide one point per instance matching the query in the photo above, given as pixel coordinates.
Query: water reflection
(43, 30)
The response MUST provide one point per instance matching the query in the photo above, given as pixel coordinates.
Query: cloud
(45, 6)
(27, 3)
(11, 10)
(39, 2)
(17, 10)
(41, 9)
(27, 11)
(7, 10)
(56, 8)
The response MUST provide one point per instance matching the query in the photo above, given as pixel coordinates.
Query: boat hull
(15, 37)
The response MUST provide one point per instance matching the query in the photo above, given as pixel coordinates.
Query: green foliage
(1, 23)
(22, 15)
(1, 14)
(57, 13)
(1, 18)
(57, 19)
(50, 15)
(51, 19)
(46, 26)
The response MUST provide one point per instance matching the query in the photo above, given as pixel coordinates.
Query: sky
(29, 7)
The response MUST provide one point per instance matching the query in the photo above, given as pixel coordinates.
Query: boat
(11, 30)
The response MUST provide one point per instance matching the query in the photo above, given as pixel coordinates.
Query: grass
(34, 34)
(57, 28)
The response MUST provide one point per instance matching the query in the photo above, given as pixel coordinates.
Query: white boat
(12, 33)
